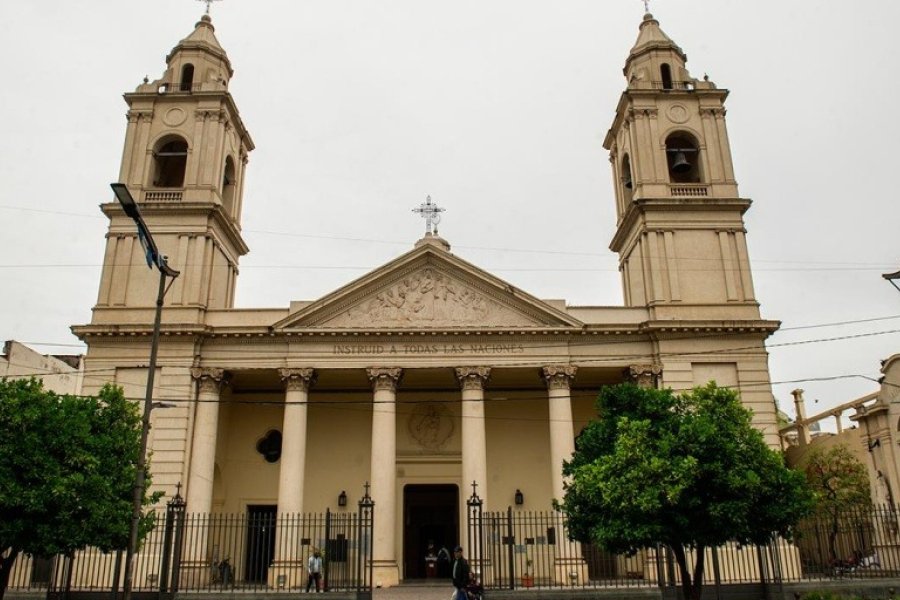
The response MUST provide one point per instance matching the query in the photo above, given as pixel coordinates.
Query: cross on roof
(646, 5)
(431, 212)
(208, 3)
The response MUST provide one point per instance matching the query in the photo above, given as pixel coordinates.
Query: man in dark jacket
(460, 573)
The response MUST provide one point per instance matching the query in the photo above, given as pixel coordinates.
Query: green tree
(67, 471)
(840, 483)
(688, 471)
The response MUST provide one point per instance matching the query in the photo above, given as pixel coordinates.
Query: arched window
(187, 78)
(170, 160)
(627, 179)
(683, 158)
(228, 186)
(666, 72)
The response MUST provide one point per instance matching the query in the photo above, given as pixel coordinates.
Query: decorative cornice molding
(209, 379)
(473, 378)
(559, 377)
(297, 380)
(385, 378)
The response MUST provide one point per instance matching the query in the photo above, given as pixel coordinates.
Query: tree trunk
(690, 586)
(6, 565)
(698, 572)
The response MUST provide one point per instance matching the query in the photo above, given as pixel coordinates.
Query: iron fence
(257, 551)
(517, 549)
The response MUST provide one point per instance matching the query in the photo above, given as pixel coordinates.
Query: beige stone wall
(20, 361)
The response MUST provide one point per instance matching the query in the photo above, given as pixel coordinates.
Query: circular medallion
(678, 113)
(174, 117)
(430, 425)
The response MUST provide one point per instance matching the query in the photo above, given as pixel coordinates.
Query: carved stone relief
(430, 425)
(432, 298)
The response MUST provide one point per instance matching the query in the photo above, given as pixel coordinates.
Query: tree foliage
(840, 484)
(67, 471)
(838, 479)
(688, 471)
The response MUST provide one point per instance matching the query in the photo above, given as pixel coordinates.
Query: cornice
(121, 332)
(231, 233)
(641, 206)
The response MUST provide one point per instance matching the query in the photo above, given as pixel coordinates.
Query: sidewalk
(439, 590)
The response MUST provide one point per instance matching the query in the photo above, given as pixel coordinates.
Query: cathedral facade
(427, 375)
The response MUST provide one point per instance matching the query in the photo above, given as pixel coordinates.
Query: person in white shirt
(315, 570)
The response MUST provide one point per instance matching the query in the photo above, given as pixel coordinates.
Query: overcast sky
(498, 109)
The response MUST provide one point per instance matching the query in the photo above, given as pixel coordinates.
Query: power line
(832, 265)
(780, 330)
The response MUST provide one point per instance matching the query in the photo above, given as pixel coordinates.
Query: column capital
(385, 378)
(473, 378)
(644, 375)
(210, 379)
(558, 377)
(297, 380)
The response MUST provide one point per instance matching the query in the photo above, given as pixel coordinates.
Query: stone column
(384, 474)
(474, 440)
(571, 570)
(196, 567)
(562, 432)
(474, 453)
(644, 375)
(287, 571)
(803, 437)
(203, 448)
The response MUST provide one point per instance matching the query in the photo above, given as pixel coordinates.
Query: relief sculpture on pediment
(428, 297)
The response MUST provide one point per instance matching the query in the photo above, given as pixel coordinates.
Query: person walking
(315, 571)
(460, 573)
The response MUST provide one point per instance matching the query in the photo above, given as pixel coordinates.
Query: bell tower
(680, 230)
(184, 162)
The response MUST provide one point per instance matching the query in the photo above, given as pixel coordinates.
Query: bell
(681, 164)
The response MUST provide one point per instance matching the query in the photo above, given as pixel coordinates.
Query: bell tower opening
(683, 158)
(665, 72)
(187, 78)
(170, 161)
(228, 187)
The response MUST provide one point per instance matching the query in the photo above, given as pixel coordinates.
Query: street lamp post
(893, 278)
(154, 258)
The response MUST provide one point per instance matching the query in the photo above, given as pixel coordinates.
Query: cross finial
(431, 212)
(646, 6)
(178, 490)
(474, 488)
(208, 4)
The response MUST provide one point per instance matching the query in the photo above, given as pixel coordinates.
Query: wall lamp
(342, 498)
(519, 497)
(893, 278)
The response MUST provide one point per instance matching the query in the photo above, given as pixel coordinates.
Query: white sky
(498, 109)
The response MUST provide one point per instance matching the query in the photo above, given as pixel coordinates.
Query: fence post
(510, 543)
(328, 547)
(364, 567)
(179, 517)
(173, 508)
(474, 530)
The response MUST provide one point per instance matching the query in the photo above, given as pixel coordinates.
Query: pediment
(427, 288)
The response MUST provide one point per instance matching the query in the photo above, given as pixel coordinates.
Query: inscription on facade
(425, 349)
